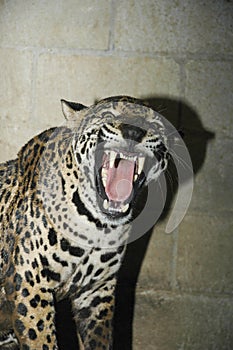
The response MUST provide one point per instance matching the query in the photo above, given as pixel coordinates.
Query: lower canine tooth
(125, 208)
(106, 204)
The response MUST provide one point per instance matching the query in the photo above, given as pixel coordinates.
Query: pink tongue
(120, 180)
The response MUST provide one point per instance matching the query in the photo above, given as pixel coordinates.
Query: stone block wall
(178, 54)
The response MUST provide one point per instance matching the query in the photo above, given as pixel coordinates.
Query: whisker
(181, 161)
(171, 178)
(161, 189)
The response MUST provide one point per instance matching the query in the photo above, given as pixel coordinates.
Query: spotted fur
(60, 234)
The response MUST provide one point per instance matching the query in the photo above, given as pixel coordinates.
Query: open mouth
(119, 177)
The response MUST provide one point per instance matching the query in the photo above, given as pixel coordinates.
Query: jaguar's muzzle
(119, 177)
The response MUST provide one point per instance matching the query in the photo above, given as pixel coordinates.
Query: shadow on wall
(196, 139)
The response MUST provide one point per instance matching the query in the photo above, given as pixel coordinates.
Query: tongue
(119, 181)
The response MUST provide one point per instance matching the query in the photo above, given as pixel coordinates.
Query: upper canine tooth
(141, 161)
(104, 177)
(104, 180)
(112, 157)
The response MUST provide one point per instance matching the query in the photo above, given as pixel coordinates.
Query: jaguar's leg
(93, 314)
(32, 316)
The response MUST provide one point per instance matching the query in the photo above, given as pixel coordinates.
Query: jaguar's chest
(62, 263)
(80, 275)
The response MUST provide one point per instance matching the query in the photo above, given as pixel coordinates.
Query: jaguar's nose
(132, 132)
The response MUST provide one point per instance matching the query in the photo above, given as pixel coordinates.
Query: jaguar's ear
(69, 109)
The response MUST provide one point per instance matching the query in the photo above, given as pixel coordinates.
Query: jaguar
(66, 211)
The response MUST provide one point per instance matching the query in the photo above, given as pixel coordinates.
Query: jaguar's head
(119, 146)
